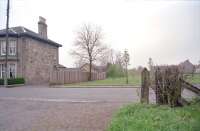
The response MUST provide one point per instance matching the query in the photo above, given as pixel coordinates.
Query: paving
(61, 109)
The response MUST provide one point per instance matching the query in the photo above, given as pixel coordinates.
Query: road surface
(61, 109)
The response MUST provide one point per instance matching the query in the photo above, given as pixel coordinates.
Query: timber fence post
(145, 86)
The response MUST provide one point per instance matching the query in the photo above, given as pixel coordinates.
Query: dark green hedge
(12, 81)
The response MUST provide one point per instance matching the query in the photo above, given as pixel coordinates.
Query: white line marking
(50, 100)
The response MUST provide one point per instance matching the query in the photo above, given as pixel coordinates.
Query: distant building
(187, 67)
(197, 69)
(30, 55)
(99, 69)
(98, 72)
(139, 69)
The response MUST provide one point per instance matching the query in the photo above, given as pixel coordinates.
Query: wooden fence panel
(73, 76)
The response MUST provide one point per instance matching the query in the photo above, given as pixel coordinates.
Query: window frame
(3, 43)
(2, 66)
(2, 70)
(10, 47)
(15, 69)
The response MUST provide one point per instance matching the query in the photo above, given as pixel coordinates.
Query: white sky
(167, 31)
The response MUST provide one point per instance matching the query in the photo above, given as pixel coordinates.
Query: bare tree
(80, 62)
(107, 57)
(88, 45)
(193, 70)
(150, 63)
(119, 59)
(152, 70)
(126, 59)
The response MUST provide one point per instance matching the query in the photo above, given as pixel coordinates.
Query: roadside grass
(140, 117)
(133, 80)
(193, 79)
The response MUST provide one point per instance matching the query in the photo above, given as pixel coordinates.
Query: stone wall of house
(38, 60)
(20, 54)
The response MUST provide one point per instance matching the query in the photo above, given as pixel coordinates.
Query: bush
(12, 81)
(115, 71)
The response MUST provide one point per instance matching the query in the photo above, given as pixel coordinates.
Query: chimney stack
(42, 27)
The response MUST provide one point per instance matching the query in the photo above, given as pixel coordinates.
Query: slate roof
(21, 31)
(186, 63)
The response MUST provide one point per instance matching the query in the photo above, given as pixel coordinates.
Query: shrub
(115, 71)
(12, 81)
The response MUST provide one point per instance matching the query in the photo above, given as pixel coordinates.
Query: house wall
(20, 54)
(37, 60)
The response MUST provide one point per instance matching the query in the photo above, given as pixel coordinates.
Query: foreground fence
(169, 84)
(73, 76)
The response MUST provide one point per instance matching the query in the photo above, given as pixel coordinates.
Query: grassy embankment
(138, 117)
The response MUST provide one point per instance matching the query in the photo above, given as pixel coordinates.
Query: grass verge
(139, 117)
(133, 80)
(195, 79)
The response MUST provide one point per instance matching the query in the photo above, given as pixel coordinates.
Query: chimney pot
(42, 19)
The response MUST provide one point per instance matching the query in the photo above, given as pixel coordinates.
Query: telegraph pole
(6, 58)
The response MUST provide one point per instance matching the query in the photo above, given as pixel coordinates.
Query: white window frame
(1, 74)
(12, 47)
(15, 70)
(1, 70)
(3, 47)
(9, 70)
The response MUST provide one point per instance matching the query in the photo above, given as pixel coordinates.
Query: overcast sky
(166, 31)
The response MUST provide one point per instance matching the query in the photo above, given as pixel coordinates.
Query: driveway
(61, 109)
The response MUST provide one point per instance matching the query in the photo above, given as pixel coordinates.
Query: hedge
(12, 81)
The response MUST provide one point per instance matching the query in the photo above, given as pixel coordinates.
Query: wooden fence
(73, 76)
(169, 85)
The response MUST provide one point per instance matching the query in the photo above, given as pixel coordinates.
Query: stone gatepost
(145, 86)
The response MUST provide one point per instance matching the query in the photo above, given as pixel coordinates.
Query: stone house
(187, 67)
(31, 55)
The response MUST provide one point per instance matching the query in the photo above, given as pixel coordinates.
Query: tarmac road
(61, 109)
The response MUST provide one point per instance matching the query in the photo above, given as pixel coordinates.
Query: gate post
(145, 86)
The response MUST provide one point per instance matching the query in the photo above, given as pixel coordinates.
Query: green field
(195, 79)
(138, 117)
(133, 80)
